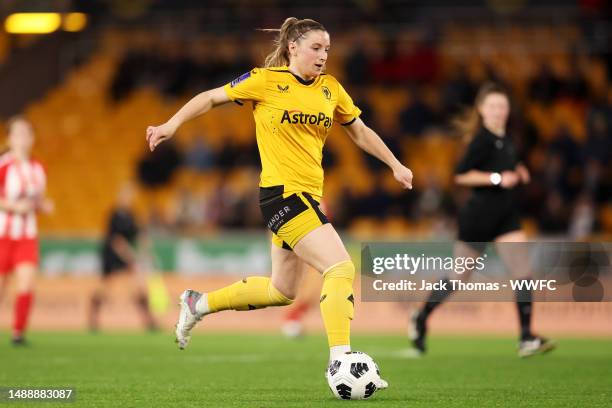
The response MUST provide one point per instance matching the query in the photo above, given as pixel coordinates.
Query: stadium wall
(61, 304)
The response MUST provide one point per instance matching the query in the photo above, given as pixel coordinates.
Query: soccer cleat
(19, 341)
(152, 328)
(382, 384)
(417, 332)
(188, 317)
(292, 329)
(535, 345)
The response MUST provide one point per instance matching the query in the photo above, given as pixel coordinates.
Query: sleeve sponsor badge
(240, 79)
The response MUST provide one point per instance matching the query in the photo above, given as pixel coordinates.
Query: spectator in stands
(199, 156)
(458, 92)
(157, 168)
(545, 86)
(417, 116)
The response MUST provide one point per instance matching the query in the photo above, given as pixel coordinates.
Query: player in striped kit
(22, 187)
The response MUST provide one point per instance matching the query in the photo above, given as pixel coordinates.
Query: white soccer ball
(353, 375)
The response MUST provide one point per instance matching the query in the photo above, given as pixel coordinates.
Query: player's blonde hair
(470, 121)
(291, 30)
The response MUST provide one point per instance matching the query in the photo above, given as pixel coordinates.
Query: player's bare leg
(3, 285)
(417, 325)
(96, 301)
(141, 298)
(25, 274)
(308, 298)
(512, 249)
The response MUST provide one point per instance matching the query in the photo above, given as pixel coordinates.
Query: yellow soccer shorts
(290, 216)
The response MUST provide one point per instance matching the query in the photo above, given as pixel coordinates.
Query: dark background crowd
(412, 67)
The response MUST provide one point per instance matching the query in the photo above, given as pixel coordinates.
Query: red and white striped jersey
(20, 179)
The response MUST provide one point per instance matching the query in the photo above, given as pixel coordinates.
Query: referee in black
(491, 168)
(119, 255)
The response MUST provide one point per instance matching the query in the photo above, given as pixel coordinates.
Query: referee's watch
(495, 178)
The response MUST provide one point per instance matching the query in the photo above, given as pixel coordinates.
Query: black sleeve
(518, 156)
(476, 153)
(134, 229)
(114, 224)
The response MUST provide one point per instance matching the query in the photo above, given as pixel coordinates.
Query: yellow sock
(337, 303)
(254, 292)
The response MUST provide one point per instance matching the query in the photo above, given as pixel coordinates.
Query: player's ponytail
(469, 122)
(291, 30)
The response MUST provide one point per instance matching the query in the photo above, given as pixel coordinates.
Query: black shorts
(482, 222)
(290, 217)
(111, 263)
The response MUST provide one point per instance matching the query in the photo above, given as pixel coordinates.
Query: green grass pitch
(256, 370)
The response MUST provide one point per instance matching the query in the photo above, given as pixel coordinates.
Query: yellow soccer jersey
(292, 120)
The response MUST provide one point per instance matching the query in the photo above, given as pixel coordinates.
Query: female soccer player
(22, 188)
(294, 105)
(491, 168)
(120, 255)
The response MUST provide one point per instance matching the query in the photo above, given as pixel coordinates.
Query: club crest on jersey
(326, 92)
(240, 79)
(283, 89)
(295, 117)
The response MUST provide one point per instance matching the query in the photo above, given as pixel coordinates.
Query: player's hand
(45, 206)
(404, 176)
(158, 134)
(509, 179)
(523, 174)
(23, 206)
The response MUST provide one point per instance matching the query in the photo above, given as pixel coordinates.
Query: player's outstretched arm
(369, 141)
(198, 105)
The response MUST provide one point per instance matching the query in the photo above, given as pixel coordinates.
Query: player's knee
(344, 269)
(25, 286)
